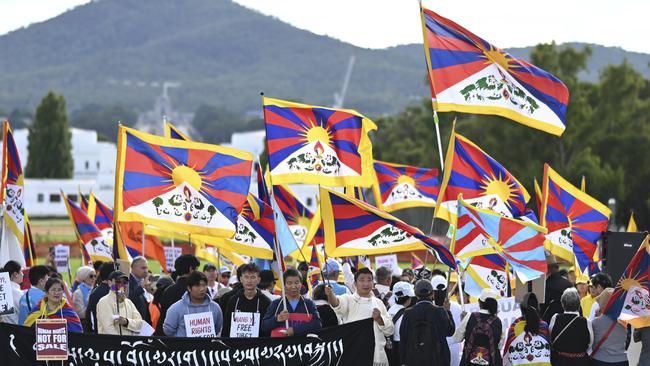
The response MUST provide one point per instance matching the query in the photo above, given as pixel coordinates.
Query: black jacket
(136, 295)
(172, 294)
(442, 326)
(260, 303)
(555, 286)
(96, 294)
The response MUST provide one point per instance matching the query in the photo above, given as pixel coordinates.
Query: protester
(482, 332)
(332, 270)
(363, 305)
(102, 288)
(15, 272)
(86, 275)
(293, 315)
(328, 317)
(212, 275)
(225, 274)
(609, 337)
(528, 330)
(54, 306)
(116, 313)
(184, 265)
(424, 330)
(383, 277)
(226, 293)
(154, 306)
(249, 301)
(303, 268)
(267, 284)
(582, 285)
(138, 279)
(599, 282)
(555, 286)
(403, 294)
(439, 284)
(38, 276)
(571, 334)
(407, 275)
(194, 301)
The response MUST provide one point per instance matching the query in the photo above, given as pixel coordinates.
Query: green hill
(222, 53)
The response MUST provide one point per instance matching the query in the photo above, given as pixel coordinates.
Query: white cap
(438, 282)
(402, 288)
(488, 293)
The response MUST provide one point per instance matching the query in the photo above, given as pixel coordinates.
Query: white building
(93, 170)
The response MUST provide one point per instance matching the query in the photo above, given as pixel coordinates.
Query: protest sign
(62, 258)
(51, 340)
(199, 325)
(170, 256)
(244, 324)
(6, 295)
(347, 344)
(389, 261)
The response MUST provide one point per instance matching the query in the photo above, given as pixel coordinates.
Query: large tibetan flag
(172, 132)
(130, 243)
(101, 215)
(353, 227)
(403, 186)
(575, 220)
(13, 186)
(317, 145)
(89, 236)
(482, 181)
(486, 271)
(520, 243)
(180, 185)
(630, 302)
(255, 229)
(469, 75)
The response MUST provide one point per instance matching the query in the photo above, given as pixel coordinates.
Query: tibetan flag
(29, 247)
(83, 201)
(255, 229)
(520, 243)
(220, 256)
(353, 227)
(172, 132)
(631, 224)
(486, 271)
(481, 180)
(630, 302)
(298, 216)
(416, 262)
(89, 236)
(403, 186)
(262, 187)
(131, 240)
(317, 145)
(538, 196)
(101, 215)
(356, 193)
(469, 75)
(180, 185)
(13, 187)
(575, 220)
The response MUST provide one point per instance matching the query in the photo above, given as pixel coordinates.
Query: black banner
(349, 344)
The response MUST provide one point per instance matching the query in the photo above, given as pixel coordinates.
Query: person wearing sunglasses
(86, 276)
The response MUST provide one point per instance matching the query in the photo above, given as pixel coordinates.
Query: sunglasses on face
(92, 276)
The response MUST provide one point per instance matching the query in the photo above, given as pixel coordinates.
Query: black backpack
(421, 347)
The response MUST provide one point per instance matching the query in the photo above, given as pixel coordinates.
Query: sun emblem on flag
(503, 187)
(497, 56)
(320, 158)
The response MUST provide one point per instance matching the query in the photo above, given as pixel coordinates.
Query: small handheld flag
(89, 236)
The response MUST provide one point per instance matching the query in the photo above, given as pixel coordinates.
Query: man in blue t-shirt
(38, 275)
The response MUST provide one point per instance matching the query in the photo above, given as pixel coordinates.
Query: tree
(49, 141)
(103, 119)
(215, 125)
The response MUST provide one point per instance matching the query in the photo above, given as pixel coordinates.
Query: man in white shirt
(383, 279)
(363, 305)
(210, 271)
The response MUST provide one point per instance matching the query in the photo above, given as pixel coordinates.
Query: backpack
(384, 298)
(480, 346)
(421, 347)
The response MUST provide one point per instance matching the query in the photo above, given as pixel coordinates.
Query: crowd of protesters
(415, 320)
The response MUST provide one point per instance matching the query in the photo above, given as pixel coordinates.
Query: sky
(385, 23)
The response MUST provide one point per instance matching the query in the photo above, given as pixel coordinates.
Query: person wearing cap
(249, 301)
(224, 275)
(571, 334)
(267, 284)
(363, 305)
(116, 314)
(211, 273)
(332, 270)
(404, 294)
(481, 348)
(609, 336)
(527, 330)
(438, 321)
(588, 304)
(440, 296)
(582, 285)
